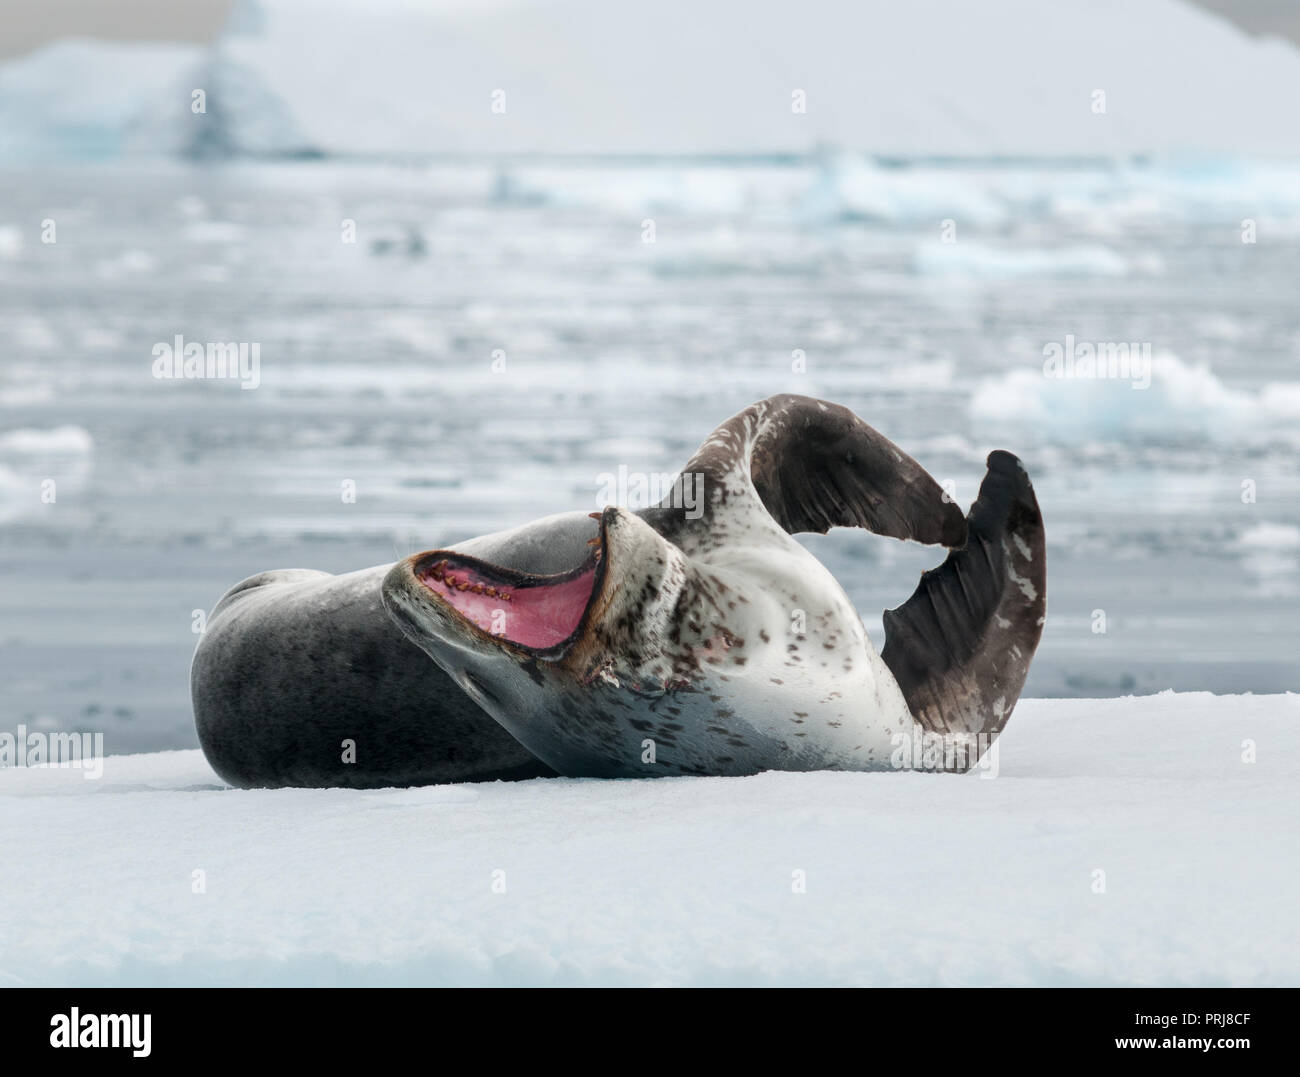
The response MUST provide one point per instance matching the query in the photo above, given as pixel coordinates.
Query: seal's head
(539, 651)
(608, 609)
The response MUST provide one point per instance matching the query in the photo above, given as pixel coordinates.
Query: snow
(1004, 77)
(910, 878)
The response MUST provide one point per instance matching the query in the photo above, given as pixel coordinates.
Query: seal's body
(648, 643)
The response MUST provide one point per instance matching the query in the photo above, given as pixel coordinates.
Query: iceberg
(86, 99)
(1005, 78)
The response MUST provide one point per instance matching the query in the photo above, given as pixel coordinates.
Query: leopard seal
(718, 645)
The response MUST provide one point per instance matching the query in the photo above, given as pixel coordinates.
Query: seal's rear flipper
(960, 646)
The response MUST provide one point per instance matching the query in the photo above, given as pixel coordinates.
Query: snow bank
(910, 878)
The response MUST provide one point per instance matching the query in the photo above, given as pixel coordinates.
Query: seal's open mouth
(535, 612)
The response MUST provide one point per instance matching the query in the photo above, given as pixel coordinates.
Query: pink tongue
(540, 616)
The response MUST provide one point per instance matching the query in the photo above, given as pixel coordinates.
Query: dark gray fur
(294, 662)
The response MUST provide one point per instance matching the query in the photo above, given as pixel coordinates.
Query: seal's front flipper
(815, 465)
(960, 646)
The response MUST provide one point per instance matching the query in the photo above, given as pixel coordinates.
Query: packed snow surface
(1122, 841)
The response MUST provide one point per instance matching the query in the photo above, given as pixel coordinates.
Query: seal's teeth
(594, 541)
(491, 592)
